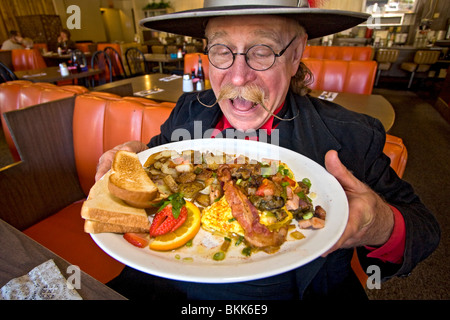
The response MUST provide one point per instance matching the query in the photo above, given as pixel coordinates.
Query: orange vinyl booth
(84, 46)
(60, 146)
(20, 94)
(339, 53)
(341, 75)
(191, 62)
(27, 59)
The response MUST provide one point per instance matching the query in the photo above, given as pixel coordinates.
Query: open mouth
(243, 105)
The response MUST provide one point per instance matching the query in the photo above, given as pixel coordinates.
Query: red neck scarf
(224, 124)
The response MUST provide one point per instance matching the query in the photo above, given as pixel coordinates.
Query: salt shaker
(64, 70)
(188, 85)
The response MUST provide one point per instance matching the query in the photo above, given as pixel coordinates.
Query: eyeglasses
(259, 57)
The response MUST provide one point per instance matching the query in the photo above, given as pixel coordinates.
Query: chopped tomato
(267, 188)
(139, 240)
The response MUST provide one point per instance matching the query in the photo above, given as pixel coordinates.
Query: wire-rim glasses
(259, 57)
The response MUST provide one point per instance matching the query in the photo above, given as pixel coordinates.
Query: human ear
(299, 48)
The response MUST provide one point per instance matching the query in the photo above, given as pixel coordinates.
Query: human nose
(240, 72)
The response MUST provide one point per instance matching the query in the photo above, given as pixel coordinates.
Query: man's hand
(370, 220)
(105, 161)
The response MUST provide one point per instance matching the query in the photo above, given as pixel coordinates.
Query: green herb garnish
(176, 200)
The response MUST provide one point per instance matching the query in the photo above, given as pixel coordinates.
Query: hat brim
(317, 22)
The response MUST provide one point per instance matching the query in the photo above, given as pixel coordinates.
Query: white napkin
(170, 78)
(148, 92)
(328, 95)
(45, 282)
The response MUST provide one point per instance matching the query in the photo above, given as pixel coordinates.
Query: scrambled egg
(218, 218)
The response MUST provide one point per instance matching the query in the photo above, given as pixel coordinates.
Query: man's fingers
(335, 167)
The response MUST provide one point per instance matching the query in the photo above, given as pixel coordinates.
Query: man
(14, 41)
(258, 80)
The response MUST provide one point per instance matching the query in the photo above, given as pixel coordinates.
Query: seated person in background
(259, 83)
(14, 41)
(64, 41)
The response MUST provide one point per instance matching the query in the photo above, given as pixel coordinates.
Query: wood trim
(46, 180)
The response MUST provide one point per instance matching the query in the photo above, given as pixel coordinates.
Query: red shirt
(392, 250)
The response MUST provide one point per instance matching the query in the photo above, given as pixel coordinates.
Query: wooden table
(20, 254)
(53, 74)
(373, 105)
(127, 87)
(161, 59)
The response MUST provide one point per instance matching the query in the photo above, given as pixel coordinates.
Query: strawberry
(164, 221)
(139, 240)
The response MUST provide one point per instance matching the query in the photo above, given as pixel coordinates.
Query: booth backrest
(396, 150)
(27, 59)
(84, 46)
(42, 47)
(21, 94)
(110, 120)
(339, 53)
(342, 76)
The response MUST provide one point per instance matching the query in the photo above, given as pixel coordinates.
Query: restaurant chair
(423, 60)
(158, 49)
(385, 58)
(27, 59)
(118, 71)
(396, 150)
(6, 74)
(191, 48)
(172, 49)
(101, 60)
(136, 62)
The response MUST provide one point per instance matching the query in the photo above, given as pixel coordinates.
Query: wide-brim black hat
(317, 22)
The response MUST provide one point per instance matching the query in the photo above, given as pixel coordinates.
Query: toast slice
(105, 212)
(129, 181)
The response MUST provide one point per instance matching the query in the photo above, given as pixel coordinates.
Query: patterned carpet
(427, 137)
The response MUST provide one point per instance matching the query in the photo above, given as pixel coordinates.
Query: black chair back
(117, 65)
(101, 60)
(6, 74)
(136, 62)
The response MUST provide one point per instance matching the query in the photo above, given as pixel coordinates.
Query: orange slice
(180, 236)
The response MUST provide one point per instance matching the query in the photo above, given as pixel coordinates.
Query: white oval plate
(195, 263)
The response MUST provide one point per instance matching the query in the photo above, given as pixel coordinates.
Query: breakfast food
(174, 195)
(129, 181)
(104, 212)
(239, 197)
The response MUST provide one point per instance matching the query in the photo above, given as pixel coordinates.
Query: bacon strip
(256, 234)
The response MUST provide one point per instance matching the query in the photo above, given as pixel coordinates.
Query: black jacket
(318, 127)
